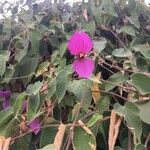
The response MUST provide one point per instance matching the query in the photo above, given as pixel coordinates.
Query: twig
(46, 126)
(124, 87)
(112, 94)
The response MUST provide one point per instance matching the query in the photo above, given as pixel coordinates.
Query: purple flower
(79, 45)
(5, 94)
(6, 103)
(34, 125)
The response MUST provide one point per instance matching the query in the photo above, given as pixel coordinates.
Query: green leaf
(35, 37)
(11, 128)
(83, 140)
(96, 117)
(121, 52)
(48, 147)
(141, 82)
(144, 49)
(27, 66)
(3, 60)
(140, 147)
(7, 75)
(128, 30)
(61, 83)
(144, 111)
(62, 49)
(134, 20)
(133, 120)
(47, 136)
(34, 88)
(33, 105)
(81, 89)
(20, 54)
(103, 104)
(18, 103)
(21, 143)
(5, 115)
(115, 80)
(109, 7)
(52, 88)
(42, 68)
(89, 27)
(100, 45)
(118, 148)
(131, 114)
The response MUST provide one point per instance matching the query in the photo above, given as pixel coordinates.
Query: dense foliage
(49, 106)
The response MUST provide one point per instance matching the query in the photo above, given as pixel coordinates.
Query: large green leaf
(141, 82)
(11, 128)
(82, 90)
(35, 37)
(47, 136)
(48, 147)
(95, 118)
(131, 114)
(140, 147)
(115, 80)
(34, 88)
(121, 52)
(5, 115)
(135, 21)
(83, 140)
(61, 84)
(27, 66)
(89, 27)
(144, 111)
(103, 104)
(19, 103)
(109, 7)
(20, 54)
(144, 49)
(3, 60)
(62, 49)
(33, 105)
(7, 75)
(100, 45)
(128, 30)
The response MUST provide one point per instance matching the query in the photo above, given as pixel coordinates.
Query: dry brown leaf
(4, 143)
(59, 137)
(84, 13)
(115, 122)
(95, 90)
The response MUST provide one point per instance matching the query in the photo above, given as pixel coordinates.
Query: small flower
(79, 45)
(34, 125)
(6, 95)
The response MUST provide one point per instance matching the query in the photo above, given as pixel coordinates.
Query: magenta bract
(34, 125)
(79, 45)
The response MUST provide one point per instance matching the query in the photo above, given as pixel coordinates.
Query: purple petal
(35, 126)
(80, 42)
(83, 67)
(6, 93)
(6, 103)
